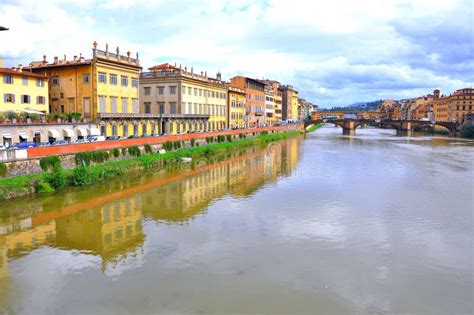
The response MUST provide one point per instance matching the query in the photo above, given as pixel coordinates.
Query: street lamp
(2, 28)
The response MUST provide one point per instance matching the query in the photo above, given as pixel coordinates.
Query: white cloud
(393, 45)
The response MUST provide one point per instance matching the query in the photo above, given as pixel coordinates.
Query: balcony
(150, 116)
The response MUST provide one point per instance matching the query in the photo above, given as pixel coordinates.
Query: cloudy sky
(334, 52)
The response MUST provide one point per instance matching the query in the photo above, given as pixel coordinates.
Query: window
(25, 81)
(40, 82)
(135, 105)
(101, 104)
(190, 90)
(114, 130)
(161, 90)
(113, 79)
(25, 99)
(62, 108)
(7, 79)
(9, 98)
(134, 82)
(173, 107)
(102, 77)
(124, 80)
(86, 78)
(147, 107)
(61, 95)
(125, 130)
(124, 105)
(195, 91)
(200, 92)
(40, 100)
(54, 81)
(147, 90)
(113, 104)
(161, 107)
(172, 89)
(184, 90)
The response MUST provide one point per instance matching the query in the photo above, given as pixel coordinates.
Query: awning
(68, 132)
(81, 132)
(53, 133)
(7, 135)
(94, 132)
(23, 135)
(32, 111)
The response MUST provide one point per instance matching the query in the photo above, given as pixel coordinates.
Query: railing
(109, 55)
(180, 72)
(149, 116)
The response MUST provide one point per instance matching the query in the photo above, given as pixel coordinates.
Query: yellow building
(22, 90)
(104, 87)
(294, 105)
(236, 108)
(186, 101)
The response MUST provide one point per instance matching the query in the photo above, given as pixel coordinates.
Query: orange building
(454, 107)
(255, 99)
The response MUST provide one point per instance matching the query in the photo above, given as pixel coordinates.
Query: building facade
(185, 100)
(269, 106)
(235, 108)
(255, 100)
(103, 88)
(289, 102)
(21, 90)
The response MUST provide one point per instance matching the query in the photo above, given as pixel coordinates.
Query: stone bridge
(403, 127)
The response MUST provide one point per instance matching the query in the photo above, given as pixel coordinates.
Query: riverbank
(58, 178)
(314, 127)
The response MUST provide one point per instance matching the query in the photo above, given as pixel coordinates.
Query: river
(328, 224)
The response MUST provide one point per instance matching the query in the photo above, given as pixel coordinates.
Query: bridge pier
(348, 131)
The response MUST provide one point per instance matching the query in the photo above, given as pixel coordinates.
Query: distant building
(255, 99)
(235, 108)
(269, 106)
(289, 102)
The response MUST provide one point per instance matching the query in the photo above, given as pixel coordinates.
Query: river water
(329, 224)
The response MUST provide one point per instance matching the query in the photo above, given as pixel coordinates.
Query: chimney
(44, 59)
(55, 60)
(94, 48)
(64, 57)
(75, 58)
(20, 68)
(186, 68)
(192, 70)
(128, 56)
(81, 59)
(1, 62)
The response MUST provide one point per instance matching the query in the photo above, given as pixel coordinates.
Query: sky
(333, 52)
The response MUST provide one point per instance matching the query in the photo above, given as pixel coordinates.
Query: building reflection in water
(110, 225)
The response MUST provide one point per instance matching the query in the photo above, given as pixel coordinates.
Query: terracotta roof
(24, 73)
(40, 64)
(163, 66)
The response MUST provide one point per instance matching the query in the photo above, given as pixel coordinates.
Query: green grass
(314, 127)
(27, 184)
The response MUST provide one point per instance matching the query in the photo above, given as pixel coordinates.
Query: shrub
(57, 179)
(80, 176)
(168, 146)
(467, 130)
(116, 153)
(50, 162)
(148, 149)
(263, 133)
(229, 138)
(124, 152)
(193, 142)
(3, 170)
(176, 145)
(43, 187)
(134, 151)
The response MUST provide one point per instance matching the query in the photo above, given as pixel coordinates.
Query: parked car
(44, 144)
(113, 138)
(145, 135)
(24, 145)
(2, 147)
(132, 137)
(60, 142)
(95, 138)
(163, 134)
(154, 134)
(80, 141)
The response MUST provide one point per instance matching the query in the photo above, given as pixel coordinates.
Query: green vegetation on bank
(314, 127)
(467, 130)
(54, 178)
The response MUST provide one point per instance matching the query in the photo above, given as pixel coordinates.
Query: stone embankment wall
(31, 165)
